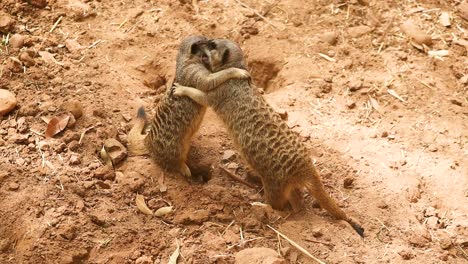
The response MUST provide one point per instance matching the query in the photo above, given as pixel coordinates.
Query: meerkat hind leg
(194, 94)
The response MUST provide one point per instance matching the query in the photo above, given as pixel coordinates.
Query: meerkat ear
(195, 48)
(226, 55)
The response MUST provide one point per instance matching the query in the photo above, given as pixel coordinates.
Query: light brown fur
(177, 118)
(271, 148)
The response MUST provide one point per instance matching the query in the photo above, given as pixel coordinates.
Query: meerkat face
(224, 54)
(200, 50)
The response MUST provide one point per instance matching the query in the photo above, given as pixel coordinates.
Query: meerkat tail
(136, 140)
(327, 203)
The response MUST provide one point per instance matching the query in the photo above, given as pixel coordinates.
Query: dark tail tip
(358, 228)
(141, 113)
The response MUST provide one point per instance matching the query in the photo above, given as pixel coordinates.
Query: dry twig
(237, 178)
(294, 244)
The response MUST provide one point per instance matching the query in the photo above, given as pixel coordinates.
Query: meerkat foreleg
(213, 80)
(198, 96)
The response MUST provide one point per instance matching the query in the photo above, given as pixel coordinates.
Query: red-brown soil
(399, 166)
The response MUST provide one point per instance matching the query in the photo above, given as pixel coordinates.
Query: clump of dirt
(376, 89)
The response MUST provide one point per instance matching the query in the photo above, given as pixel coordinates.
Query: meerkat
(178, 118)
(269, 146)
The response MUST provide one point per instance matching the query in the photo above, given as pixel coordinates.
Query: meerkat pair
(178, 118)
(270, 147)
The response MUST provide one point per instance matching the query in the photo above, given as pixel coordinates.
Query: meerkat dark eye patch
(226, 55)
(211, 45)
(195, 48)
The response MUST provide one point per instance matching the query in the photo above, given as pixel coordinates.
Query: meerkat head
(224, 54)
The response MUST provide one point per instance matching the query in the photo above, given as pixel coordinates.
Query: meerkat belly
(263, 140)
(172, 125)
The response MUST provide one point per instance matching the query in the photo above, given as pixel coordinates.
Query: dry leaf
(394, 94)
(175, 255)
(438, 54)
(105, 157)
(375, 105)
(162, 185)
(140, 202)
(444, 19)
(163, 211)
(56, 125)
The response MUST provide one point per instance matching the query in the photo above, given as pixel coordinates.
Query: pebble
(74, 107)
(17, 41)
(330, 37)
(258, 255)
(355, 85)
(73, 45)
(406, 254)
(415, 33)
(229, 155)
(13, 186)
(432, 222)
(463, 8)
(74, 160)
(26, 59)
(116, 151)
(358, 31)
(317, 232)
(6, 23)
(196, 217)
(348, 182)
(14, 64)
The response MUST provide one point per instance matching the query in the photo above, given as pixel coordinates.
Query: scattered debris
(141, 205)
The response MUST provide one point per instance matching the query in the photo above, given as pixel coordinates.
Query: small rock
(26, 59)
(20, 161)
(196, 217)
(317, 232)
(258, 255)
(19, 139)
(38, 3)
(232, 166)
(105, 173)
(358, 31)
(326, 87)
(351, 104)
(419, 239)
(6, 23)
(116, 151)
(432, 148)
(354, 85)
(348, 182)
(456, 102)
(384, 134)
(430, 211)
(463, 8)
(432, 222)
(416, 34)
(445, 242)
(382, 205)
(103, 185)
(73, 107)
(73, 45)
(16, 41)
(14, 65)
(144, 260)
(97, 219)
(74, 160)
(330, 37)
(406, 254)
(229, 155)
(13, 186)
(74, 145)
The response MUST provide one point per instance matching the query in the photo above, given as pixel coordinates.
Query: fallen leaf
(105, 157)
(56, 125)
(163, 211)
(444, 19)
(375, 105)
(175, 255)
(438, 54)
(140, 202)
(394, 94)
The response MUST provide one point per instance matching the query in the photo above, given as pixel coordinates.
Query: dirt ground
(386, 123)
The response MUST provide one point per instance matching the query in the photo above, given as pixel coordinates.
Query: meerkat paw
(185, 171)
(177, 90)
(242, 74)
